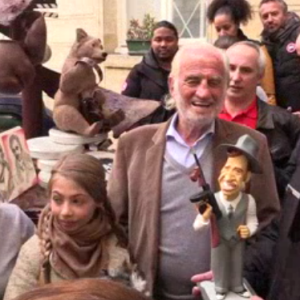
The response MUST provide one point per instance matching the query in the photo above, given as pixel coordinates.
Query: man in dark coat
(281, 35)
(149, 78)
(285, 283)
(280, 243)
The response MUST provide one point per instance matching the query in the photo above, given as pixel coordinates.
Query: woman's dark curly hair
(239, 10)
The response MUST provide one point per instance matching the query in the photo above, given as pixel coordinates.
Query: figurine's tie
(230, 211)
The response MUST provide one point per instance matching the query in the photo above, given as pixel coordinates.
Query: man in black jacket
(279, 243)
(281, 128)
(281, 35)
(286, 272)
(149, 78)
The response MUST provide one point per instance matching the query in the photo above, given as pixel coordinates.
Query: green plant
(141, 32)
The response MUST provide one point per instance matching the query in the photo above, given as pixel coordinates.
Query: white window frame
(167, 13)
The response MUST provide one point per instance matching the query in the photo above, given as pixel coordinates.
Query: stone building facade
(109, 19)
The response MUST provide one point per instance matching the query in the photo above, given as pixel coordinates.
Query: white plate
(45, 148)
(66, 138)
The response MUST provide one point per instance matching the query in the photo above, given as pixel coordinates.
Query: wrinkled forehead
(271, 6)
(244, 54)
(205, 59)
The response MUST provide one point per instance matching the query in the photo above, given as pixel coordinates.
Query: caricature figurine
(238, 221)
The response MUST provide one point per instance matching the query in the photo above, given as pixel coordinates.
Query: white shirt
(251, 216)
(261, 94)
(180, 151)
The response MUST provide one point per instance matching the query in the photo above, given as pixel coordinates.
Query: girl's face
(225, 26)
(72, 206)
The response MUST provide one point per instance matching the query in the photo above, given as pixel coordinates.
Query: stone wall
(107, 19)
(87, 14)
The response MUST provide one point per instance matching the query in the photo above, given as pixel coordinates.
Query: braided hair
(45, 244)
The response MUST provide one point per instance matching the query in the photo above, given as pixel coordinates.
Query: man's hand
(243, 231)
(199, 278)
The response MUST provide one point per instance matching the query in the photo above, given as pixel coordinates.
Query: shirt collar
(233, 203)
(172, 132)
(250, 111)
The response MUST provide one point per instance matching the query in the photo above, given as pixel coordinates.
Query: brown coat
(135, 186)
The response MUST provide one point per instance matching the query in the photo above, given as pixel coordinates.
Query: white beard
(193, 118)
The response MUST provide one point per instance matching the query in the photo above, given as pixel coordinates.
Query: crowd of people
(133, 238)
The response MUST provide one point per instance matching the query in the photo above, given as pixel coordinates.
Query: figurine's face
(233, 176)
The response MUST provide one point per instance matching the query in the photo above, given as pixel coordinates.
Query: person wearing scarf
(77, 236)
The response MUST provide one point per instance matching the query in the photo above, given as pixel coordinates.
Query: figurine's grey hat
(249, 147)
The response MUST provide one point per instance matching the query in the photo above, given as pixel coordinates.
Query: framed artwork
(17, 171)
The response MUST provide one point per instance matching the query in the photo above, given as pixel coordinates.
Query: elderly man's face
(272, 16)
(199, 88)
(244, 72)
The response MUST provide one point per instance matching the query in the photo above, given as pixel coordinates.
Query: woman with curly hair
(77, 235)
(227, 16)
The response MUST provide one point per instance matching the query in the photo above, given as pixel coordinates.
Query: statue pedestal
(208, 291)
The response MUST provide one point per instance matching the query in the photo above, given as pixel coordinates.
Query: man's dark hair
(239, 10)
(165, 24)
(281, 2)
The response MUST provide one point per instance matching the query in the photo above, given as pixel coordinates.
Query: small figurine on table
(238, 221)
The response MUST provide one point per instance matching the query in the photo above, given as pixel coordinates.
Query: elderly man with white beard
(150, 185)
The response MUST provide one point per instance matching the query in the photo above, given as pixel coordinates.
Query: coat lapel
(154, 165)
